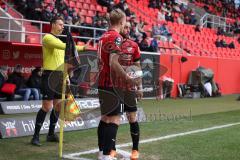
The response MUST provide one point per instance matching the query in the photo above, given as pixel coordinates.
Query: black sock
(39, 122)
(100, 132)
(109, 137)
(114, 146)
(53, 121)
(135, 133)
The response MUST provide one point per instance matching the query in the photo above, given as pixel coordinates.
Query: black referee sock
(53, 121)
(39, 122)
(100, 132)
(109, 137)
(135, 133)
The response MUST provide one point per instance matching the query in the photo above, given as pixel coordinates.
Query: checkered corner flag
(71, 109)
(71, 53)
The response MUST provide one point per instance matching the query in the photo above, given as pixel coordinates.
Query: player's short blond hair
(116, 16)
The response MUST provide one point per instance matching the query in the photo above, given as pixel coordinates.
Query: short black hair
(54, 19)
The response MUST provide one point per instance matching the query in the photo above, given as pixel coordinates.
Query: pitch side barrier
(24, 126)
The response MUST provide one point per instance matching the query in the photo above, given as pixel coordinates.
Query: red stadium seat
(88, 1)
(85, 6)
(92, 7)
(83, 12)
(89, 20)
(72, 4)
(104, 9)
(91, 13)
(99, 8)
(48, 1)
(79, 5)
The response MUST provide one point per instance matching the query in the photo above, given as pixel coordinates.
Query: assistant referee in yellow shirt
(53, 64)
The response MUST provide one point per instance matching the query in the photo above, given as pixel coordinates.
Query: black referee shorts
(52, 82)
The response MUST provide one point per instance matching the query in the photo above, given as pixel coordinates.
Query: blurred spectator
(165, 34)
(51, 4)
(180, 19)
(169, 17)
(220, 31)
(76, 19)
(3, 79)
(209, 23)
(69, 20)
(124, 7)
(154, 45)
(38, 10)
(198, 28)
(231, 45)
(176, 8)
(144, 43)
(61, 5)
(192, 17)
(3, 6)
(163, 8)
(132, 20)
(47, 14)
(35, 80)
(3, 75)
(65, 14)
(105, 24)
(223, 44)
(77, 22)
(55, 13)
(155, 31)
(99, 25)
(110, 7)
(105, 3)
(71, 10)
(31, 5)
(187, 20)
(85, 32)
(21, 88)
(161, 15)
(152, 4)
(140, 27)
(21, 6)
(96, 17)
(133, 34)
(218, 43)
(183, 8)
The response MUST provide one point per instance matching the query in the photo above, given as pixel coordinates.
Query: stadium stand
(181, 22)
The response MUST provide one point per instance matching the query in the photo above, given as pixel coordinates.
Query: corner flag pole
(62, 112)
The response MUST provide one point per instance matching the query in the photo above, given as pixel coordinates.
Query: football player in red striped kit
(130, 60)
(109, 51)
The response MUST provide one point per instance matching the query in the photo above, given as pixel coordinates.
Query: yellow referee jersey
(53, 52)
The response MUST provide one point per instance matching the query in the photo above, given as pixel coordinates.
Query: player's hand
(68, 81)
(88, 44)
(139, 94)
(131, 81)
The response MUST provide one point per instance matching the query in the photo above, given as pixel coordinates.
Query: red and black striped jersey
(130, 53)
(109, 43)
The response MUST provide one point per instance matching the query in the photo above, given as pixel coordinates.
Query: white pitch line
(159, 138)
(74, 158)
